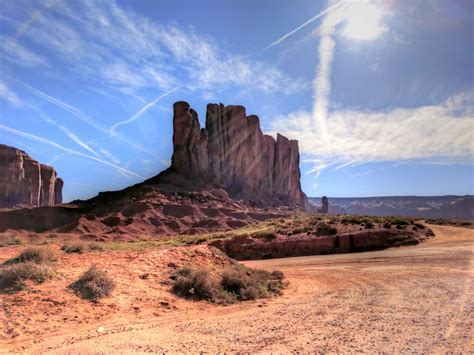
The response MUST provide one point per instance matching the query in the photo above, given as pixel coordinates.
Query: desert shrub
(277, 275)
(267, 235)
(324, 229)
(250, 284)
(94, 284)
(95, 247)
(419, 225)
(78, 247)
(401, 222)
(352, 220)
(369, 225)
(37, 255)
(13, 277)
(302, 229)
(193, 283)
(387, 225)
(9, 240)
(81, 247)
(399, 226)
(237, 283)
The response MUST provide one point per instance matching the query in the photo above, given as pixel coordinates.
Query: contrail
(58, 146)
(149, 105)
(140, 112)
(72, 136)
(79, 114)
(312, 19)
(322, 80)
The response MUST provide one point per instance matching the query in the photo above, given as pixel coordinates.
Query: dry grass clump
(451, 222)
(37, 255)
(236, 283)
(193, 283)
(94, 284)
(325, 229)
(14, 277)
(78, 247)
(7, 240)
(265, 234)
(81, 247)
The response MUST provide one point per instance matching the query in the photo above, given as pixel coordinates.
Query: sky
(379, 94)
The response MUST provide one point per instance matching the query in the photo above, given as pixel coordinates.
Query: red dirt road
(410, 299)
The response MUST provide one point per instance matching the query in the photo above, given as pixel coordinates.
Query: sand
(409, 299)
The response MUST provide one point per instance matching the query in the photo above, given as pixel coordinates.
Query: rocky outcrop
(25, 182)
(233, 153)
(324, 205)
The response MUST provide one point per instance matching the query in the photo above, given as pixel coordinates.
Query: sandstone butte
(24, 182)
(232, 152)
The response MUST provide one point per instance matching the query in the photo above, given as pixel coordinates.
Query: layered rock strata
(26, 183)
(232, 152)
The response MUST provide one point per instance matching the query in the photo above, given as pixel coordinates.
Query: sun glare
(363, 21)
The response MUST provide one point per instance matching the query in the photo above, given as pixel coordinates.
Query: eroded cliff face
(232, 152)
(25, 182)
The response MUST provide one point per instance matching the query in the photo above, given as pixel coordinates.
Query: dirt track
(410, 299)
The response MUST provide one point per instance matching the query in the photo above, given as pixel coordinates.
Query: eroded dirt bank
(415, 298)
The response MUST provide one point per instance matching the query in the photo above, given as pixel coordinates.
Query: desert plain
(407, 299)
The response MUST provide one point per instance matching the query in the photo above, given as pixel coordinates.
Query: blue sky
(379, 93)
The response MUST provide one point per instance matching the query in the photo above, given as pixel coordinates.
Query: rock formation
(25, 182)
(325, 205)
(233, 153)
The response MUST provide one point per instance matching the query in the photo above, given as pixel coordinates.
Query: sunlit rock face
(232, 152)
(26, 183)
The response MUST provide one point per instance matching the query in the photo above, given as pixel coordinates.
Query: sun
(362, 20)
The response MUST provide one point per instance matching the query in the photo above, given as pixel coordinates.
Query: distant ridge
(446, 206)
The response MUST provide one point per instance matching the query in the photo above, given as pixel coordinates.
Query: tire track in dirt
(410, 299)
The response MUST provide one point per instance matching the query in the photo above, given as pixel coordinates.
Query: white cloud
(17, 54)
(127, 52)
(363, 21)
(442, 133)
(8, 95)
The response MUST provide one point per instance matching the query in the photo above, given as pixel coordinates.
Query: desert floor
(408, 299)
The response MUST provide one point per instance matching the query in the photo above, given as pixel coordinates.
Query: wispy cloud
(81, 115)
(442, 131)
(129, 53)
(8, 95)
(68, 150)
(17, 54)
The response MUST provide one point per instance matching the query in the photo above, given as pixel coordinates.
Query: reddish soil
(408, 299)
(141, 211)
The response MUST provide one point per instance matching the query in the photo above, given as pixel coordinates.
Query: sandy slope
(408, 299)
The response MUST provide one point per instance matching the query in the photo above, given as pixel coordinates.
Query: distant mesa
(24, 182)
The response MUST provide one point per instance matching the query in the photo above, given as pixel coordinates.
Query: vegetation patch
(14, 277)
(74, 248)
(325, 229)
(8, 240)
(37, 255)
(235, 283)
(451, 222)
(94, 284)
(81, 247)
